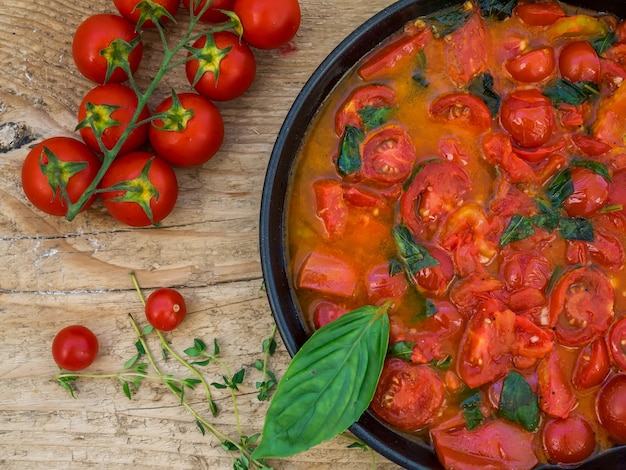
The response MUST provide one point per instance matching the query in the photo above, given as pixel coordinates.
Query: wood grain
(56, 273)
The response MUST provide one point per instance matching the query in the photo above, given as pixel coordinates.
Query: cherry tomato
(463, 108)
(268, 24)
(408, 396)
(528, 116)
(539, 14)
(92, 44)
(112, 95)
(617, 343)
(369, 96)
(606, 249)
(132, 11)
(225, 69)
(151, 193)
(191, 134)
(579, 62)
(74, 348)
(388, 155)
(569, 440)
(590, 145)
(323, 312)
(486, 345)
(330, 207)
(556, 397)
(581, 306)
(382, 285)
(611, 407)
(165, 309)
(526, 269)
(617, 192)
(592, 366)
(211, 15)
(496, 444)
(532, 66)
(327, 274)
(436, 279)
(436, 189)
(591, 192)
(43, 179)
(498, 150)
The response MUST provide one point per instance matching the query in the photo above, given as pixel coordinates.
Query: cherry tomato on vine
(192, 132)
(104, 41)
(223, 67)
(140, 12)
(143, 190)
(268, 24)
(211, 15)
(579, 62)
(110, 108)
(67, 163)
(74, 347)
(165, 309)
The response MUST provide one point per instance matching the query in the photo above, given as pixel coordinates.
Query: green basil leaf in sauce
(374, 116)
(482, 86)
(419, 73)
(328, 385)
(401, 349)
(603, 43)
(518, 403)
(450, 20)
(518, 229)
(564, 91)
(597, 167)
(471, 412)
(498, 9)
(349, 160)
(415, 257)
(442, 364)
(560, 187)
(576, 228)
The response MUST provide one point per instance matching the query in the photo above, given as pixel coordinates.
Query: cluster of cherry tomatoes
(127, 152)
(75, 347)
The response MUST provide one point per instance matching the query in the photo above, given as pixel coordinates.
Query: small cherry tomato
(139, 10)
(579, 62)
(611, 407)
(99, 41)
(382, 285)
(165, 309)
(591, 192)
(569, 440)
(73, 165)
(528, 116)
(149, 192)
(617, 343)
(388, 155)
(464, 109)
(592, 366)
(581, 306)
(211, 15)
(539, 14)
(74, 348)
(526, 269)
(224, 67)
(533, 66)
(323, 312)
(111, 107)
(190, 134)
(268, 24)
(408, 396)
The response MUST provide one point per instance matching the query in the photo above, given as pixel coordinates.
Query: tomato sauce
(472, 174)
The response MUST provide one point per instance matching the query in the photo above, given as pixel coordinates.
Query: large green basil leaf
(518, 403)
(328, 385)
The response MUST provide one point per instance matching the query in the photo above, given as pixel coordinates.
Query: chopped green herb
(449, 21)
(482, 86)
(419, 74)
(518, 403)
(576, 228)
(401, 349)
(349, 160)
(414, 256)
(498, 9)
(603, 43)
(373, 116)
(395, 267)
(442, 364)
(596, 167)
(564, 91)
(471, 412)
(518, 229)
(560, 187)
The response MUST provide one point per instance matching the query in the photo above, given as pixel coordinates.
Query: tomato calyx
(117, 56)
(99, 118)
(59, 172)
(139, 190)
(209, 58)
(152, 12)
(175, 118)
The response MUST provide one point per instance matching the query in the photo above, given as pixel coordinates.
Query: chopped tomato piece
(539, 14)
(496, 445)
(327, 274)
(331, 207)
(463, 108)
(388, 155)
(376, 96)
(530, 340)
(382, 285)
(617, 343)
(532, 66)
(556, 396)
(363, 198)
(466, 51)
(436, 279)
(469, 292)
(526, 269)
(590, 145)
(498, 150)
(610, 125)
(407, 45)
(592, 366)
(408, 395)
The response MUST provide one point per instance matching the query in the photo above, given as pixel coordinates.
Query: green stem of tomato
(142, 100)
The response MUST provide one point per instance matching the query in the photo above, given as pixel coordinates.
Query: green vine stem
(169, 55)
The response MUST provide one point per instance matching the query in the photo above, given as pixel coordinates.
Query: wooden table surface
(56, 273)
